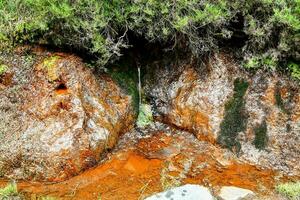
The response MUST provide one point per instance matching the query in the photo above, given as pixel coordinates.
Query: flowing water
(140, 85)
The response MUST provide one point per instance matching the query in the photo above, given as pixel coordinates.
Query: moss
(290, 190)
(235, 119)
(261, 137)
(125, 74)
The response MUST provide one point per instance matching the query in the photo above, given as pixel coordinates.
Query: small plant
(290, 190)
(9, 191)
(49, 65)
(295, 70)
(145, 117)
(3, 69)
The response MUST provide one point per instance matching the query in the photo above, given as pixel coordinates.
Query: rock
(234, 193)
(194, 101)
(256, 116)
(57, 118)
(186, 192)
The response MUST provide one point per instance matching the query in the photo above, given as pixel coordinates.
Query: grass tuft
(9, 191)
(291, 190)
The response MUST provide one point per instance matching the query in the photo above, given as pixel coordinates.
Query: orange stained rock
(122, 177)
(130, 175)
(269, 96)
(138, 164)
(240, 175)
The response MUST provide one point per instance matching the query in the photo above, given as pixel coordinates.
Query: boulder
(255, 115)
(186, 192)
(234, 193)
(56, 117)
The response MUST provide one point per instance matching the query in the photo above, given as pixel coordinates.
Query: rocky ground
(154, 160)
(69, 133)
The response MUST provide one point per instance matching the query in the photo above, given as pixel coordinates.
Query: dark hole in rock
(61, 88)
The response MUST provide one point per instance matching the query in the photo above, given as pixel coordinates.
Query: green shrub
(295, 69)
(235, 119)
(290, 190)
(268, 31)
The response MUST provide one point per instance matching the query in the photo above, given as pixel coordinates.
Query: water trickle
(139, 86)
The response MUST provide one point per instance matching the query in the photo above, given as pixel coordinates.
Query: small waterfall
(139, 86)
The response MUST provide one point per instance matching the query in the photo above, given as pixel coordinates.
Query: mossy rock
(124, 72)
(235, 119)
(261, 137)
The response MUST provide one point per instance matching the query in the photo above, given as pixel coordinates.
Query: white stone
(186, 192)
(234, 193)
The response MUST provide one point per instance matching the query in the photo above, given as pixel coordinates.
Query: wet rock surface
(255, 116)
(57, 118)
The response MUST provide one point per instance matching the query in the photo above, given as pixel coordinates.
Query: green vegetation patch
(235, 119)
(145, 117)
(49, 64)
(9, 191)
(295, 69)
(290, 190)
(125, 74)
(261, 137)
(3, 69)
(266, 32)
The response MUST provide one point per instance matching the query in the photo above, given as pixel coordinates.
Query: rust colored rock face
(62, 119)
(258, 117)
(194, 100)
